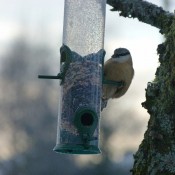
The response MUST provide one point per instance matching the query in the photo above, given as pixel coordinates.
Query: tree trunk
(156, 153)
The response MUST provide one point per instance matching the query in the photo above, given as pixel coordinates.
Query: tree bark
(145, 12)
(156, 153)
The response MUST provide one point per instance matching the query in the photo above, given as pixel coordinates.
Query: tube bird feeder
(81, 72)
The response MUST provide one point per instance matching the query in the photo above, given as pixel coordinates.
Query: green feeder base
(76, 149)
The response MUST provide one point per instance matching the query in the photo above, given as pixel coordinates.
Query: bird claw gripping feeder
(81, 72)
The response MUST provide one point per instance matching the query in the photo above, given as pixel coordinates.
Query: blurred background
(30, 38)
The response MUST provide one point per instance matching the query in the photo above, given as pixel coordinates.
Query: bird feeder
(81, 70)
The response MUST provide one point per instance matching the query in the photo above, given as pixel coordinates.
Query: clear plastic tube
(84, 25)
(80, 92)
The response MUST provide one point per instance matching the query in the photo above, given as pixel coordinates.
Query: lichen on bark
(156, 153)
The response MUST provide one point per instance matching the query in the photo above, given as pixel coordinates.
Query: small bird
(118, 68)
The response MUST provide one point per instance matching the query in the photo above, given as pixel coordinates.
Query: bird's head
(121, 55)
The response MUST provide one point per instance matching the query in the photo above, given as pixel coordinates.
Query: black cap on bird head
(120, 52)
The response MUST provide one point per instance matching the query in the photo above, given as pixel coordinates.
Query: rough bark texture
(143, 11)
(156, 153)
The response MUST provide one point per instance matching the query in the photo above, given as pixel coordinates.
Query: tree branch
(145, 12)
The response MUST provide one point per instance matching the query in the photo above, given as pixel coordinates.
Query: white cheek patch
(122, 59)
